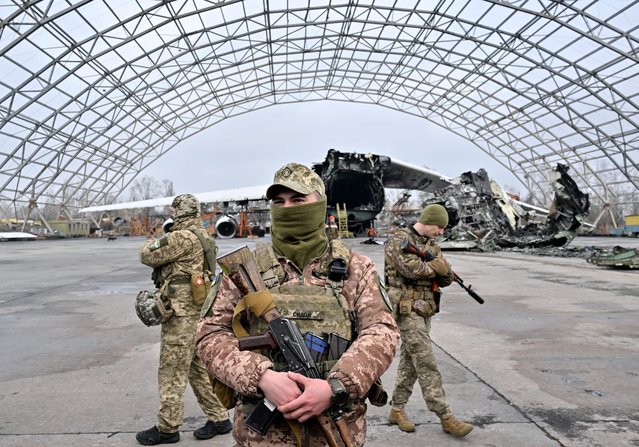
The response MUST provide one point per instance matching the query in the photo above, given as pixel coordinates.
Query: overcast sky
(246, 150)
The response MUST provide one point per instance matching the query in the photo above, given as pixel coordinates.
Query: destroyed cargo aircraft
(356, 182)
(482, 214)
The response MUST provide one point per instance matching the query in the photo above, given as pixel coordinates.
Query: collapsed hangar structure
(94, 91)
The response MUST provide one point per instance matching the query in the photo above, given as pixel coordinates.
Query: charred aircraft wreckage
(482, 215)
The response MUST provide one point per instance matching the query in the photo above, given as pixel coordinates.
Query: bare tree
(168, 188)
(146, 187)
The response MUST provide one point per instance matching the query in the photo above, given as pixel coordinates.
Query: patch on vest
(299, 314)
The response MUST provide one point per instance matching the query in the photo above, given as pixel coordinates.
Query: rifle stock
(241, 268)
(408, 247)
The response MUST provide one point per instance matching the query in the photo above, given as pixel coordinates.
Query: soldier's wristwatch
(340, 394)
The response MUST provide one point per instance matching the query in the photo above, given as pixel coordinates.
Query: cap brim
(295, 186)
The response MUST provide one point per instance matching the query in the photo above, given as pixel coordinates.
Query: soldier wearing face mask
(326, 289)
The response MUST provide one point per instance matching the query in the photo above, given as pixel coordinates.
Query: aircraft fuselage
(354, 181)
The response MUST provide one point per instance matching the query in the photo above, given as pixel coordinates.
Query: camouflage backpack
(150, 308)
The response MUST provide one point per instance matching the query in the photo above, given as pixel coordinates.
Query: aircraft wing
(16, 236)
(402, 175)
(225, 195)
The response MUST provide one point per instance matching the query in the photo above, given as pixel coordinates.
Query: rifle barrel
(468, 290)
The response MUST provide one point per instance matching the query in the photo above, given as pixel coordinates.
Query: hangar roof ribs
(93, 92)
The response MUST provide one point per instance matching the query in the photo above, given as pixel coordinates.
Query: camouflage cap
(185, 205)
(297, 177)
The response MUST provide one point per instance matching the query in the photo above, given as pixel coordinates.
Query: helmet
(150, 308)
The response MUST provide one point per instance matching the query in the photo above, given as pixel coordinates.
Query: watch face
(340, 399)
(340, 395)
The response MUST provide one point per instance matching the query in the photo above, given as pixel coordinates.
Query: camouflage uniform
(173, 264)
(367, 358)
(409, 277)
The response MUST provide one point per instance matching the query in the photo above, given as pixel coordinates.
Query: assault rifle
(408, 247)
(285, 336)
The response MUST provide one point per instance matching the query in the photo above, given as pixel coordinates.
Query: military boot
(153, 436)
(213, 428)
(454, 426)
(399, 417)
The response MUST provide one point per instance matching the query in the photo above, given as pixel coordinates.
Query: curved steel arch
(92, 93)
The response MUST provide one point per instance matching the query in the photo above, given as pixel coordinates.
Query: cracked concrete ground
(551, 358)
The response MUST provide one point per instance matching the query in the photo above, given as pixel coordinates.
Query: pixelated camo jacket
(367, 358)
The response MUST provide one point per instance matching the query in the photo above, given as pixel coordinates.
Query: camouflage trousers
(417, 363)
(178, 365)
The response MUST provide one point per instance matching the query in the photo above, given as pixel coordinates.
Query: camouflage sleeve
(372, 352)
(407, 265)
(218, 349)
(179, 244)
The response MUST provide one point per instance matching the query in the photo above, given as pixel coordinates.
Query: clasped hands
(296, 396)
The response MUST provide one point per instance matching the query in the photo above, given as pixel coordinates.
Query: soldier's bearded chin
(298, 232)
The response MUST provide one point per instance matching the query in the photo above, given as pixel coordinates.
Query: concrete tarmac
(551, 358)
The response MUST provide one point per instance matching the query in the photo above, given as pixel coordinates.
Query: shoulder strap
(405, 231)
(269, 266)
(210, 249)
(258, 303)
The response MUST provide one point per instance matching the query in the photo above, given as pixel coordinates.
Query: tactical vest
(394, 279)
(314, 309)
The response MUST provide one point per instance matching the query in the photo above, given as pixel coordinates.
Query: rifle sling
(259, 303)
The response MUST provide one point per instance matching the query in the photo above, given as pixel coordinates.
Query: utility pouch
(405, 307)
(377, 395)
(200, 286)
(425, 308)
(224, 393)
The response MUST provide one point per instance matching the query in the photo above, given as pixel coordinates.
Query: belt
(180, 280)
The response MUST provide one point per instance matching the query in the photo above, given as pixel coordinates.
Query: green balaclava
(298, 232)
(434, 214)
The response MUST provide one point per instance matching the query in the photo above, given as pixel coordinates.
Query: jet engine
(118, 221)
(226, 227)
